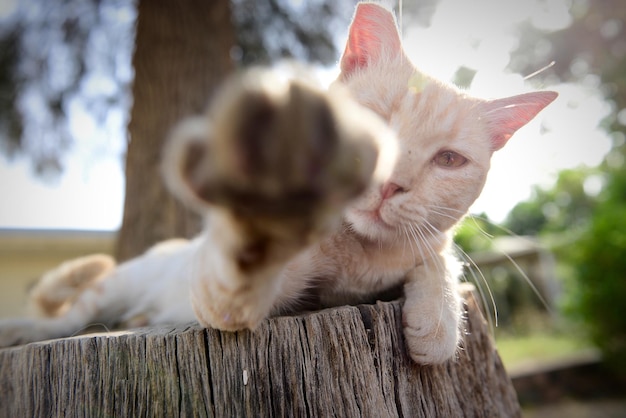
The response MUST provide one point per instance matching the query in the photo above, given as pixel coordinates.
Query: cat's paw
(430, 339)
(219, 309)
(275, 149)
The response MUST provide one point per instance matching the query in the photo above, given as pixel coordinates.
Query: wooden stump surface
(345, 362)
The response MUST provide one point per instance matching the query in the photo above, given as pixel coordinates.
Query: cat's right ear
(184, 167)
(373, 35)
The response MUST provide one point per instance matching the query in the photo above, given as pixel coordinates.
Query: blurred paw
(280, 150)
(224, 308)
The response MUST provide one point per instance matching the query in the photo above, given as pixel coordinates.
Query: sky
(90, 192)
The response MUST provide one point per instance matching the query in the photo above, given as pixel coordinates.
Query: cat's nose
(390, 189)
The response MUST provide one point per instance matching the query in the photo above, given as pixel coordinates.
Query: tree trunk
(347, 361)
(182, 53)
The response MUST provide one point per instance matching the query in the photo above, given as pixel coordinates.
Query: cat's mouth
(374, 217)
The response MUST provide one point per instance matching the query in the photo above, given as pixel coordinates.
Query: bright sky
(90, 193)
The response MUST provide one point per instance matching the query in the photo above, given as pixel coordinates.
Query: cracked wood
(346, 361)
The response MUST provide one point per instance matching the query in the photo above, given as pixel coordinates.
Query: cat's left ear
(505, 116)
(373, 35)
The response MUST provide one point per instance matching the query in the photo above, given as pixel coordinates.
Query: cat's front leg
(432, 310)
(273, 165)
(236, 277)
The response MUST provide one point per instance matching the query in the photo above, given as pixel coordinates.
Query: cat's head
(445, 137)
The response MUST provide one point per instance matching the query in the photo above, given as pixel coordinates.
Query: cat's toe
(434, 346)
(218, 307)
(281, 147)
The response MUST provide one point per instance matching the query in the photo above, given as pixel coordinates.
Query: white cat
(276, 166)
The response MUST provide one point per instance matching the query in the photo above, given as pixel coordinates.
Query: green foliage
(475, 233)
(593, 226)
(595, 258)
(566, 206)
(503, 288)
(540, 346)
(598, 294)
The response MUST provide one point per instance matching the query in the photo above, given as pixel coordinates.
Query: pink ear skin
(505, 116)
(373, 35)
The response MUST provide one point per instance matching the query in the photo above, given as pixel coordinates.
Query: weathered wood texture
(346, 362)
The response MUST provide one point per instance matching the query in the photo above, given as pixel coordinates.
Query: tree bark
(347, 361)
(182, 53)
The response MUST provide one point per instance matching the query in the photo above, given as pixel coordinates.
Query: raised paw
(275, 148)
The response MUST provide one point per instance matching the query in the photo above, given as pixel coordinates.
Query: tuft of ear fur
(373, 35)
(505, 116)
(183, 156)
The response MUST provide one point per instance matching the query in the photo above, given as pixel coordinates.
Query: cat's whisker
(480, 228)
(401, 235)
(454, 218)
(508, 256)
(433, 232)
(433, 229)
(503, 229)
(419, 237)
(475, 272)
(409, 240)
(529, 282)
(446, 208)
(432, 254)
(539, 71)
(422, 233)
(439, 267)
(92, 325)
(421, 245)
(425, 249)
(415, 239)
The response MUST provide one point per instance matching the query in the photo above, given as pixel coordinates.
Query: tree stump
(347, 362)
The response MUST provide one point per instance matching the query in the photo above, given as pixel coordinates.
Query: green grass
(539, 347)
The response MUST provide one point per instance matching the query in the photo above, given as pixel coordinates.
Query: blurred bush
(597, 289)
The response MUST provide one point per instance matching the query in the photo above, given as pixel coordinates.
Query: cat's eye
(449, 159)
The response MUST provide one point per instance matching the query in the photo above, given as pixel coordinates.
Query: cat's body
(277, 169)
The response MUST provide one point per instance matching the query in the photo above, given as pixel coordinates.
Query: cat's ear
(505, 116)
(184, 161)
(373, 35)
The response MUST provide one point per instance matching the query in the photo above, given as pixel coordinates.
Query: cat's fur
(275, 167)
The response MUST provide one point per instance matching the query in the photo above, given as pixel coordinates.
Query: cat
(313, 199)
